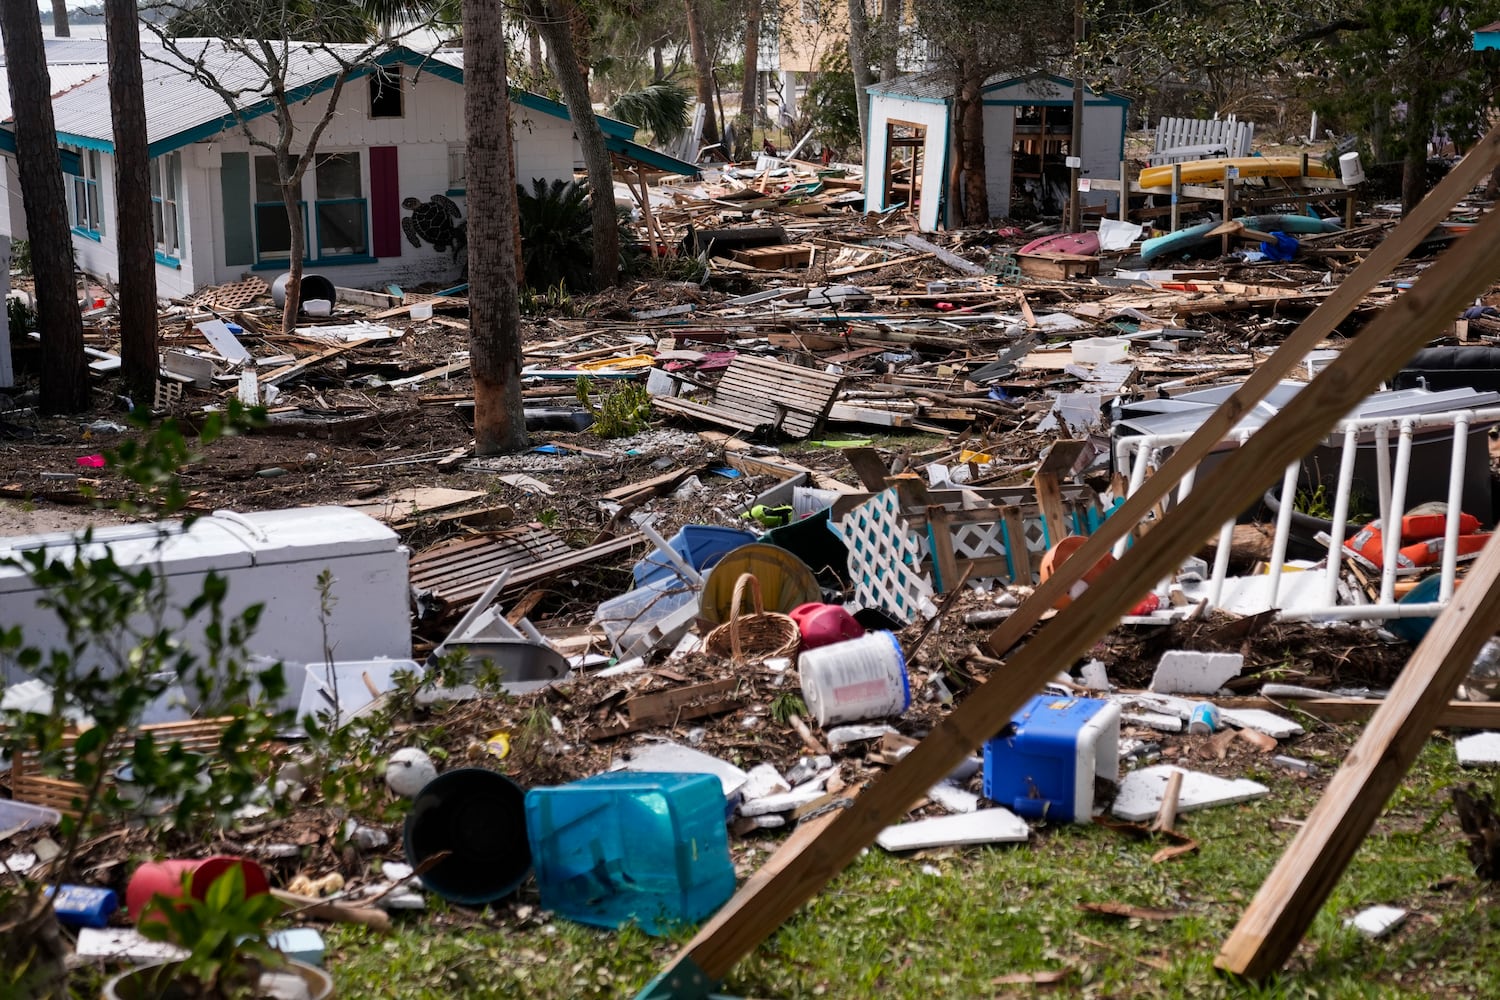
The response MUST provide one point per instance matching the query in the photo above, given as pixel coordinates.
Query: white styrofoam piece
(674, 758)
(125, 943)
(1479, 750)
(1261, 721)
(953, 798)
(1251, 595)
(1377, 921)
(986, 826)
(1095, 675)
(1163, 704)
(762, 780)
(785, 802)
(1183, 672)
(223, 341)
(1154, 720)
(840, 736)
(1141, 791)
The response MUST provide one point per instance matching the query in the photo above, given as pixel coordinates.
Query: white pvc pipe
(1283, 527)
(1383, 469)
(1455, 506)
(1341, 513)
(1137, 477)
(1221, 564)
(1391, 526)
(1359, 612)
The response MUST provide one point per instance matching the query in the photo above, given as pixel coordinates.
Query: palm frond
(661, 109)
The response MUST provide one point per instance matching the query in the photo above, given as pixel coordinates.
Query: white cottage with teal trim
(1028, 124)
(380, 201)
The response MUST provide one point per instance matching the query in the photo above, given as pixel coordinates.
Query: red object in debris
(1150, 604)
(90, 461)
(825, 624)
(944, 306)
(165, 878)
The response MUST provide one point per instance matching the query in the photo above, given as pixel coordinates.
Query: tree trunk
(750, 89)
(494, 308)
(890, 38)
(64, 384)
(703, 70)
(658, 66)
(859, 60)
(60, 28)
(555, 19)
(970, 114)
(1414, 168)
(534, 52)
(134, 232)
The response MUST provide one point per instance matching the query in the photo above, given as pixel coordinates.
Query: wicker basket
(762, 634)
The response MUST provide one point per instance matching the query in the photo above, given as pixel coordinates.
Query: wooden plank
(1049, 498)
(1432, 210)
(658, 706)
(868, 466)
(940, 539)
(1382, 347)
(1015, 544)
(280, 375)
(1302, 880)
(1455, 715)
(953, 260)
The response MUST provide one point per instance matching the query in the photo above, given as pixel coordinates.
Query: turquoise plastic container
(628, 846)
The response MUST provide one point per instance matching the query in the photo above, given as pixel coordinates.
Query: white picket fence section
(1182, 139)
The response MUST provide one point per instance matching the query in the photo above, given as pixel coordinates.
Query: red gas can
(825, 624)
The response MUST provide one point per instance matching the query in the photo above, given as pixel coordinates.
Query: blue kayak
(1195, 238)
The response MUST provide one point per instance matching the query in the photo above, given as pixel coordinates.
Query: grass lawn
(968, 923)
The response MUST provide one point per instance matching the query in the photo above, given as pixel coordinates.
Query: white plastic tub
(1100, 350)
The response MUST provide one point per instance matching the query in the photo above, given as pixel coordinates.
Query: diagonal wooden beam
(1299, 885)
(1472, 169)
(800, 869)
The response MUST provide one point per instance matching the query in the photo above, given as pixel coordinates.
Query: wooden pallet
(761, 396)
(28, 783)
(457, 573)
(1057, 266)
(777, 258)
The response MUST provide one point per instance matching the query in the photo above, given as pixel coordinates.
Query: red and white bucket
(862, 678)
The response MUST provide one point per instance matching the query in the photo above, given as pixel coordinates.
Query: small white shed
(1028, 126)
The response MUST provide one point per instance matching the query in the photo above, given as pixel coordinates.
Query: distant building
(382, 201)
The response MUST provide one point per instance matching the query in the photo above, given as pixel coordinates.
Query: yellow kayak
(1209, 171)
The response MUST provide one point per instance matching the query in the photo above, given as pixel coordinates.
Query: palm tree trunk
(64, 383)
(703, 70)
(555, 19)
(494, 307)
(60, 28)
(750, 90)
(134, 233)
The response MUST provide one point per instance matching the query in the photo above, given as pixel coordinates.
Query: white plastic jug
(862, 678)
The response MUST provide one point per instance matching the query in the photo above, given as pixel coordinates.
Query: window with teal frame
(166, 212)
(273, 234)
(84, 208)
(341, 209)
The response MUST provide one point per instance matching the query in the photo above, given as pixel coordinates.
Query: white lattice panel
(885, 558)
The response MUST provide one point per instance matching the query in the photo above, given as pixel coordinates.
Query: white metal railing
(1140, 453)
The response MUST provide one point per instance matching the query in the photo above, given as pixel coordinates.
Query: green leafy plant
(224, 935)
(623, 411)
(20, 316)
(833, 113)
(785, 705)
(117, 649)
(557, 233)
(20, 256)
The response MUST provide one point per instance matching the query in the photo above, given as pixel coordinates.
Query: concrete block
(1479, 750)
(987, 826)
(1141, 792)
(1184, 672)
(762, 780)
(1377, 921)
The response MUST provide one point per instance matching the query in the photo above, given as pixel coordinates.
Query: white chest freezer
(272, 558)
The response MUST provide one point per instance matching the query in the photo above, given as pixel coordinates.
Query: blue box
(1044, 763)
(626, 845)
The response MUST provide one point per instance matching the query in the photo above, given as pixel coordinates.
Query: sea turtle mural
(436, 221)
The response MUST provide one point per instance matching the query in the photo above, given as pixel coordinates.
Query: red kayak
(1083, 244)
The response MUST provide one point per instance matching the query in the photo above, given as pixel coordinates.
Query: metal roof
(939, 86)
(180, 109)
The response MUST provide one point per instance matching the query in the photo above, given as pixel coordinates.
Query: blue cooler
(1043, 764)
(630, 845)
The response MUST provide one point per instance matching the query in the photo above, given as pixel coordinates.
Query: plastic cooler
(642, 846)
(1043, 764)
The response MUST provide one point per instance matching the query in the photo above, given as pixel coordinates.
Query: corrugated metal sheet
(63, 78)
(923, 86)
(176, 102)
